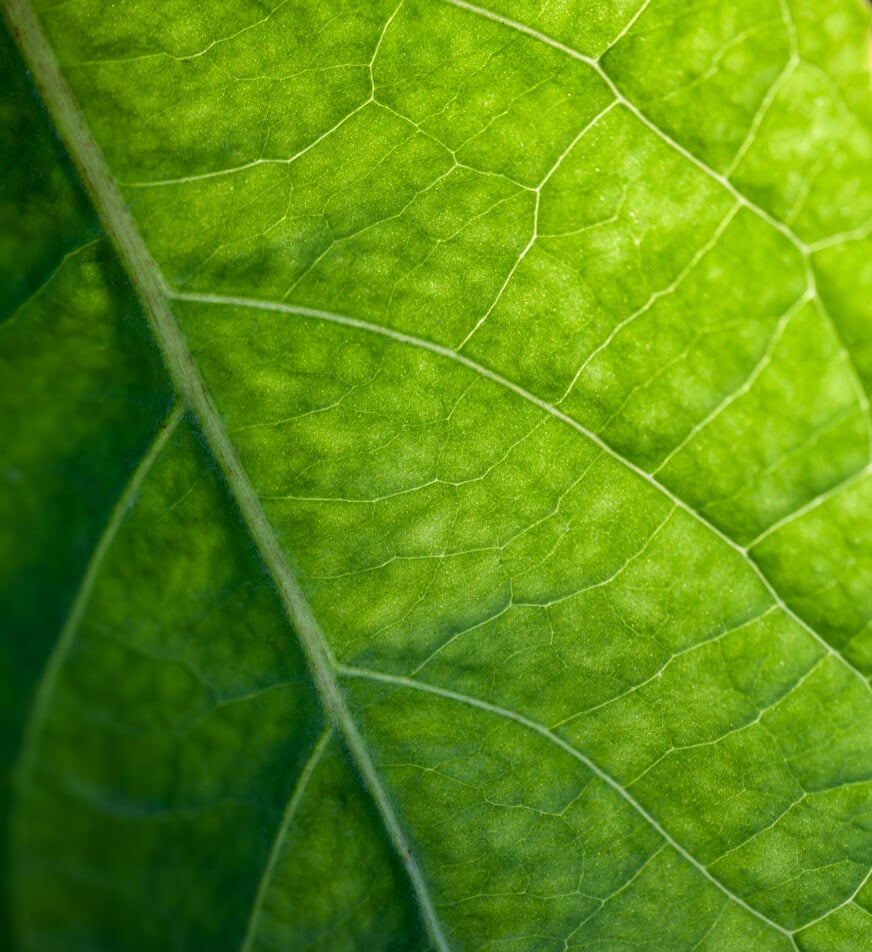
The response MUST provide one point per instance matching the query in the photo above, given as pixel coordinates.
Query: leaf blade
(538, 573)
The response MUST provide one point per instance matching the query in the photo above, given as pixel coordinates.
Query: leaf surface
(439, 475)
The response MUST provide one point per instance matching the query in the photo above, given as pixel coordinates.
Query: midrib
(146, 278)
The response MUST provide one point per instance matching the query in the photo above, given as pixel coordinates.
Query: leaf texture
(438, 474)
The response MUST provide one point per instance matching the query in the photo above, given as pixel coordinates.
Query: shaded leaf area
(43, 213)
(168, 748)
(542, 336)
(82, 395)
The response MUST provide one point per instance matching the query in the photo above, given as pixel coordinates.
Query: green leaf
(437, 461)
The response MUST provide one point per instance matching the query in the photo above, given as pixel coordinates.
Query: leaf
(438, 467)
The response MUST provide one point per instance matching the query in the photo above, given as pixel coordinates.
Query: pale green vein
(860, 233)
(621, 889)
(46, 689)
(658, 674)
(727, 401)
(279, 841)
(846, 902)
(46, 283)
(740, 728)
(627, 27)
(534, 234)
(401, 682)
(652, 300)
(763, 110)
(812, 504)
(618, 572)
(254, 163)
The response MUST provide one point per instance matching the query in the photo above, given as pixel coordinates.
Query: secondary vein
(80, 602)
(448, 353)
(402, 682)
(287, 821)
